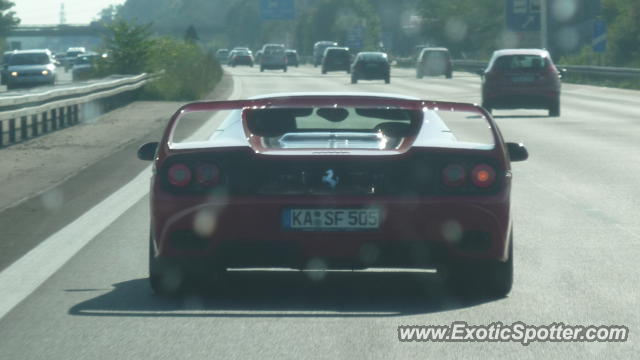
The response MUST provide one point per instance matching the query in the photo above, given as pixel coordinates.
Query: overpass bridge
(93, 29)
(55, 37)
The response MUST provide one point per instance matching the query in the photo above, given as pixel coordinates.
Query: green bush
(185, 71)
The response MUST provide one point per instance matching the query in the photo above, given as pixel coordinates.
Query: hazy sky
(48, 11)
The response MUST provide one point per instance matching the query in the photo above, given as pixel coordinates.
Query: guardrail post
(54, 119)
(23, 128)
(75, 116)
(45, 122)
(12, 130)
(61, 117)
(34, 125)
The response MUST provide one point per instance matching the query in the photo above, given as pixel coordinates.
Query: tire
(490, 278)
(166, 278)
(554, 108)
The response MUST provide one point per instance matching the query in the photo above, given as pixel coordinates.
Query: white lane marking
(25, 275)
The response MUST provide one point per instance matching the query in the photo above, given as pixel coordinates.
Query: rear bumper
(337, 67)
(249, 232)
(273, 66)
(372, 74)
(525, 98)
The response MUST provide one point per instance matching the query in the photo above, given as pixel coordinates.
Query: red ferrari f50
(345, 180)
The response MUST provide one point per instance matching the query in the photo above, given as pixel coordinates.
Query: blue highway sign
(277, 9)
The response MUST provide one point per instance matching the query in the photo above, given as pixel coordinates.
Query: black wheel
(354, 80)
(554, 108)
(165, 277)
(490, 278)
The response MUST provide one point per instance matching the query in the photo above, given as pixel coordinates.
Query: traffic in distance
(35, 67)
(513, 79)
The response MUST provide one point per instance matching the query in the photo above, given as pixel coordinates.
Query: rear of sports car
(322, 185)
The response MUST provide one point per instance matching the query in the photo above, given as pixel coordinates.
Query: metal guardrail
(23, 99)
(34, 114)
(599, 71)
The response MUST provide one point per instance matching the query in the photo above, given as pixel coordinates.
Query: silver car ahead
(31, 67)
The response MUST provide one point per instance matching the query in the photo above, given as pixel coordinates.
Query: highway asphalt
(82, 293)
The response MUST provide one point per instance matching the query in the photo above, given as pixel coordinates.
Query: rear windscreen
(274, 122)
(512, 62)
(339, 127)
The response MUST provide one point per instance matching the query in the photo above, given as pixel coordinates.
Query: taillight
(179, 175)
(208, 174)
(483, 175)
(454, 175)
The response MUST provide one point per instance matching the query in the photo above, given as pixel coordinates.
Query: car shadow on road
(520, 116)
(285, 294)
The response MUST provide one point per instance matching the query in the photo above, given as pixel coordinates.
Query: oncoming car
(332, 181)
(521, 79)
(29, 68)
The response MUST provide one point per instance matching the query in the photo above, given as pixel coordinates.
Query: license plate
(522, 79)
(331, 219)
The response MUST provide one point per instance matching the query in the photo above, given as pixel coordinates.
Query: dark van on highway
(318, 51)
(336, 59)
(371, 66)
